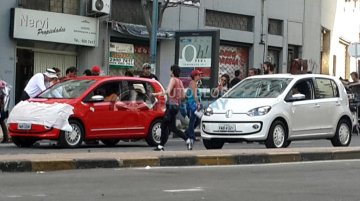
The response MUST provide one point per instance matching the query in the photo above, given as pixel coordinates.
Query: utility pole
(153, 39)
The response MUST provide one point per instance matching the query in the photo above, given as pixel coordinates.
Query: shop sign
(121, 55)
(54, 27)
(195, 51)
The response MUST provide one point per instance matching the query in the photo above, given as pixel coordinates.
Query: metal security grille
(59, 6)
(232, 59)
(42, 61)
(275, 27)
(229, 20)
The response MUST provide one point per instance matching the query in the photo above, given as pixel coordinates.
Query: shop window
(229, 20)
(58, 6)
(274, 58)
(275, 27)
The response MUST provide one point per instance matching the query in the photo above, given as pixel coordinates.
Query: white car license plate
(227, 127)
(24, 126)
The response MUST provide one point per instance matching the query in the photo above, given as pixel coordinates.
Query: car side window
(136, 91)
(302, 87)
(325, 88)
(110, 91)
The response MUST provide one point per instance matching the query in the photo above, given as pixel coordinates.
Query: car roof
(298, 76)
(110, 78)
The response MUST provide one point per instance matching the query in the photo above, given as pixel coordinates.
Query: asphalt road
(174, 144)
(320, 181)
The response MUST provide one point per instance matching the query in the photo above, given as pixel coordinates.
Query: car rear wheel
(110, 143)
(154, 133)
(75, 137)
(343, 134)
(213, 143)
(277, 135)
(21, 142)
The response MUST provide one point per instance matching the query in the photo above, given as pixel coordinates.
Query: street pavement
(46, 157)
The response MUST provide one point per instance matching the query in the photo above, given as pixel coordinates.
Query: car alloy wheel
(277, 135)
(73, 138)
(344, 133)
(342, 136)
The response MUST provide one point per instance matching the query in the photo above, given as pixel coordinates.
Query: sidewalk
(71, 161)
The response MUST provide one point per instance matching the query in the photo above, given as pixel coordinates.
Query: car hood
(53, 100)
(241, 105)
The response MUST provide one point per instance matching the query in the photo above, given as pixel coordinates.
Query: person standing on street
(70, 73)
(223, 86)
(268, 68)
(38, 83)
(146, 73)
(236, 79)
(175, 93)
(193, 104)
(95, 70)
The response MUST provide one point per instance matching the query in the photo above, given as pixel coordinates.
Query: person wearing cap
(146, 73)
(38, 83)
(95, 70)
(193, 104)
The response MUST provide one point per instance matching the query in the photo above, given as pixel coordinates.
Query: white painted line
(14, 196)
(198, 189)
(39, 195)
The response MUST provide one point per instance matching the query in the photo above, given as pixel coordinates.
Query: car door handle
(338, 104)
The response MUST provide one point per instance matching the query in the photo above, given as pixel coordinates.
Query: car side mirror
(296, 97)
(97, 98)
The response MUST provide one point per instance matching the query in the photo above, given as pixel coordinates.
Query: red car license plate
(24, 126)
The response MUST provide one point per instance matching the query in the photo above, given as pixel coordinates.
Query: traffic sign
(354, 49)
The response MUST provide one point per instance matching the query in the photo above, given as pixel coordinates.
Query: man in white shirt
(38, 83)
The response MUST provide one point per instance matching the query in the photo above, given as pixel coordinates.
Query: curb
(176, 160)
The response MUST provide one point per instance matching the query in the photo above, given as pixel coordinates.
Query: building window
(229, 20)
(275, 27)
(58, 6)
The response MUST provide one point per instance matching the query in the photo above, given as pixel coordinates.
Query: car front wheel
(74, 138)
(213, 143)
(342, 136)
(277, 135)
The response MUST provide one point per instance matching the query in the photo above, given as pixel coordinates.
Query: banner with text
(121, 55)
(54, 27)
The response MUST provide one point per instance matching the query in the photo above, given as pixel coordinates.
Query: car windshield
(68, 89)
(259, 88)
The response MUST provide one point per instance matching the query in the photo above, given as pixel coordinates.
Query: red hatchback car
(104, 108)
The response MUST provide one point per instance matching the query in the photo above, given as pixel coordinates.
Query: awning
(139, 30)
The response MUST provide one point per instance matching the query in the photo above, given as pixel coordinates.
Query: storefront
(48, 39)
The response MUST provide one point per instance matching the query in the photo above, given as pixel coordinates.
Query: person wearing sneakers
(193, 104)
(175, 94)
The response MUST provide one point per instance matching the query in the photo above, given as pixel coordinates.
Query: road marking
(14, 196)
(198, 189)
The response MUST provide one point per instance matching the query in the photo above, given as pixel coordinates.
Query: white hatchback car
(277, 109)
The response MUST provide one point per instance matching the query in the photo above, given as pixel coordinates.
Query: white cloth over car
(54, 115)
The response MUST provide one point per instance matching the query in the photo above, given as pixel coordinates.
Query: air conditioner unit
(100, 6)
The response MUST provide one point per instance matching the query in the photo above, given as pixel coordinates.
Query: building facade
(250, 32)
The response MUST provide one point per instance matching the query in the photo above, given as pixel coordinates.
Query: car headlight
(208, 111)
(259, 111)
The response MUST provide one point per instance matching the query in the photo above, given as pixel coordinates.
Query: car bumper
(35, 132)
(241, 127)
